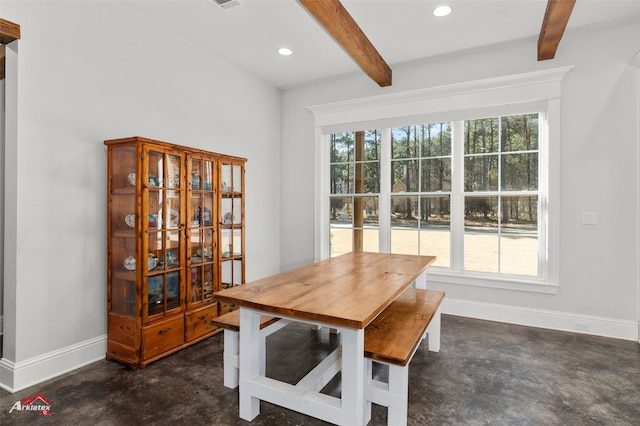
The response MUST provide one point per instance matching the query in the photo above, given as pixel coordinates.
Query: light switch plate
(589, 218)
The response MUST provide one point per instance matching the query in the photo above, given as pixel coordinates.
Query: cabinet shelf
(124, 274)
(124, 191)
(166, 207)
(124, 234)
(232, 257)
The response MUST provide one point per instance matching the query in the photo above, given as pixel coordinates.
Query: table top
(348, 291)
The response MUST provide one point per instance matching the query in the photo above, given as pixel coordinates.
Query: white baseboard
(21, 375)
(575, 323)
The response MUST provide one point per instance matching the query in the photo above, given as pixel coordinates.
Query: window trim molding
(540, 89)
(433, 102)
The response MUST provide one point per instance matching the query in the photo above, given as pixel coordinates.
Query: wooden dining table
(345, 293)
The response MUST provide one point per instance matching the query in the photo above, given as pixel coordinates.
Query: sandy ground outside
(519, 254)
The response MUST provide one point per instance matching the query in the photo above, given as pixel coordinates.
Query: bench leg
(420, 282)
(434, 332)
(230, 358)
(393, 394)
(331, 330)
(398, 386)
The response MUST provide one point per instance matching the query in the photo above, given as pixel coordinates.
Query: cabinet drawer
(225, 308)
(162, 337)
(198, 323)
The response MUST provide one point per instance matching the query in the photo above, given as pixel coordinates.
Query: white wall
(598, 167)
(90, 71)
(2, 84)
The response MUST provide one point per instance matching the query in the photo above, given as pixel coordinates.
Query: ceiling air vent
(226, 4)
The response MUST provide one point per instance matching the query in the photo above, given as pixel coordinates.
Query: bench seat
(231, 321)
(392, 338)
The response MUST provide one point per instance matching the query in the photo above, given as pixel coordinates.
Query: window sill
(443, 276)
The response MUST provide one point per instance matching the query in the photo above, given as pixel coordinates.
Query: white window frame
(515, 94)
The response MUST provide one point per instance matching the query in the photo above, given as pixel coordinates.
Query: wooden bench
(392, 339)
(230, 323)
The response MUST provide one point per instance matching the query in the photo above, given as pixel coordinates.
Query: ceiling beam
(332, 15)
(2, 61)
(555, 21)
(8, 32)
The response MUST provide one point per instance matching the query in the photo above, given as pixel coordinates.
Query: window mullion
(384, 207)
(457, 196)
(321, 208)
(500, 213)
(547, 241)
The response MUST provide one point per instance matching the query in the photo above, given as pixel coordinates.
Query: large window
(496, 189)
(466, 172)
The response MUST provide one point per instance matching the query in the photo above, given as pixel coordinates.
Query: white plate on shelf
(132, 179)
(130, 263)
(130, 220)
(196, 259)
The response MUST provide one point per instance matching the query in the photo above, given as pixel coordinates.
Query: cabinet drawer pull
(201, 317)
(164, 330)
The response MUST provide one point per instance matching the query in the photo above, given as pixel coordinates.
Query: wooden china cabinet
(176, 235)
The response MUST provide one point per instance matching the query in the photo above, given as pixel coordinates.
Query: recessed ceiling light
(441, 11)
(284, 51)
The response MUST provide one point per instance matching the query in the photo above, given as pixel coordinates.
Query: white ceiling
(403, 31)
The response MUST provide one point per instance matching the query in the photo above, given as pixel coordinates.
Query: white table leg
(352, 376)
(421, 281)
(250, 342)
(368, 376)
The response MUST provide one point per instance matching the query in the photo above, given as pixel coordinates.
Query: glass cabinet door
(122, 231)
(232, 224)
(162, 224)
(202, 231)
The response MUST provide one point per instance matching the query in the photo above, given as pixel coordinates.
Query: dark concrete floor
(486, 373)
